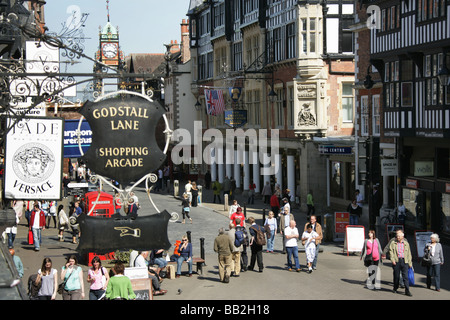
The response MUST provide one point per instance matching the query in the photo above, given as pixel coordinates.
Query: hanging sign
(142, 233)
(235, 118)
(123, 146)
(33, 161)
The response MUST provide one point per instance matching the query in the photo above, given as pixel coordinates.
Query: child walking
(309, 241)
(186, 207)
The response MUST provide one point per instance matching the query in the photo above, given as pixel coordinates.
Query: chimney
(185, 47)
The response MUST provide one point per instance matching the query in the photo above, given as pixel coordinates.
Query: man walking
(318, 229)
(37, 224)
(400, 255)
(224, 247)
(235, 253)
(291, 236)
(255, 245)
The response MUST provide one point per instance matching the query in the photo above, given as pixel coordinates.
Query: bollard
(245, 211)
(225, 202)
(264, 215)
(202, 249)
(188, 234)
(176, 185)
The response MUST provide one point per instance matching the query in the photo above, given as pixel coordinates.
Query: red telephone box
(104, 208)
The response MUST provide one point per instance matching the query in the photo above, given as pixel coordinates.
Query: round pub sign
(124, 146)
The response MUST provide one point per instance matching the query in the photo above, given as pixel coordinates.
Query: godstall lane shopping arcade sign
(124, 146)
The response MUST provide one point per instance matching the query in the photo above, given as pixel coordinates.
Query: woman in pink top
(371, 254)
(98, 277)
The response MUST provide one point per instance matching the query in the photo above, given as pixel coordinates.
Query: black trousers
(256, 257)
(401, 267)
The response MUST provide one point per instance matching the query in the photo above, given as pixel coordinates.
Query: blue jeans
(271, 240)
(292, 251)
(180, 262)
(353, 219)
(315, 257)
(435, 270)
(161, 262)
(36, 237)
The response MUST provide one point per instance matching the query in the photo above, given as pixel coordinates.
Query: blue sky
(144, 25)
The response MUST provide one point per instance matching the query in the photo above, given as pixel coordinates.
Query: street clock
(110, 50)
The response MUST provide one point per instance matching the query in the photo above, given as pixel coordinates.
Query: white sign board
(354, 238)
(136, 273)
(389, 167)
(422, 238)
(33, 161)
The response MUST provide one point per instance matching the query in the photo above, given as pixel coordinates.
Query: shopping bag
(30, 237)
(411, 276)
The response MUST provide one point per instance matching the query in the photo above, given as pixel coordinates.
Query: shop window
(445, 211)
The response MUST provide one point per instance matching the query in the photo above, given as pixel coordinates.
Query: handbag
(63, 284)
(426, 259)
(30, 237)
(411, 276)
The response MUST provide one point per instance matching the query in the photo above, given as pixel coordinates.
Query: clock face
(109, 50)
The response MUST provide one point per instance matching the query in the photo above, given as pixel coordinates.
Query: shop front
(428, 205)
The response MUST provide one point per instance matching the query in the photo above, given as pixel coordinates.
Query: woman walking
(63, 222)
(271, 222)
(72, 275)
(186, 208)
(371, 255)
(437, 259)
(98, 277)
(47, 277)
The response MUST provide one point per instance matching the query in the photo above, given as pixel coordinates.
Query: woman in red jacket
(37, 223)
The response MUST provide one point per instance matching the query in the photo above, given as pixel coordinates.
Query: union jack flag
(215, 104)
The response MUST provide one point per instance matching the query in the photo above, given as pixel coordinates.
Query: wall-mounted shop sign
(235, 118)
(124, 146)
(423, 168)
(389, 167)
(33, 161)
(72, 142)
(411, 183)
(335, 150)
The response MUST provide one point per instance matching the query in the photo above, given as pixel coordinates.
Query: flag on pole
(215, 104)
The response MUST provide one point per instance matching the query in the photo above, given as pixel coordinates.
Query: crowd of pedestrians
(234, 241)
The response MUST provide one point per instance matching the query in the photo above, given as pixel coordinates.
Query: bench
(195, 261)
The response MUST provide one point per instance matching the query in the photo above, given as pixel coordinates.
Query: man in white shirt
(291, 236)
(141, 261)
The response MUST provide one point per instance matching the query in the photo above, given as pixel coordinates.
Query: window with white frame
(279, 112)
(291, 46)
(364, 116)
(249, 103)
(237, 56)
(347, 101)
(376, 115)
(256, 108)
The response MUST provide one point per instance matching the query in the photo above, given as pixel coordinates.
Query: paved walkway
(339, 276)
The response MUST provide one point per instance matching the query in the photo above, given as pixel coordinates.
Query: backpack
(239, 238)
(260, 238)
(33, 288)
